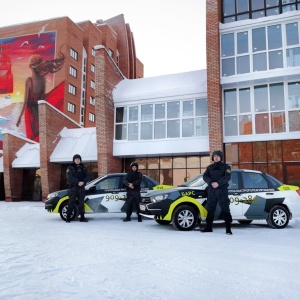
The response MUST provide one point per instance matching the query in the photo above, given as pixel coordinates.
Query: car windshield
(196, 181)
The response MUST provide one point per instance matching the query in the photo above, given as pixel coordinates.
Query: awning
(28, 156)
(80, 141)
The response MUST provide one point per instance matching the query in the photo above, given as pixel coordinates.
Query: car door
(107, 195)
(235, 196)
(256, 196)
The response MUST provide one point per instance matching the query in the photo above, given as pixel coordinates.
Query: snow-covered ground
(42, 257)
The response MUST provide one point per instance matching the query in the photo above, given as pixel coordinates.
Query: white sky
(42, 257)
(169, 35)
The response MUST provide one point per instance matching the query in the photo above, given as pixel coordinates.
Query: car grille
(146, 200)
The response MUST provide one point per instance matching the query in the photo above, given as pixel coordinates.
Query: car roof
(245, 170)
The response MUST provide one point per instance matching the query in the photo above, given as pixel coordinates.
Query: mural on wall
(27, 68)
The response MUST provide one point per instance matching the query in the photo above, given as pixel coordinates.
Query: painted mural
(27, 70)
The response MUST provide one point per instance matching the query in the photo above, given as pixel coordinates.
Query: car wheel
(63, 211)
(245, 222)
(162, 222)
(184, 218)
(278, 217)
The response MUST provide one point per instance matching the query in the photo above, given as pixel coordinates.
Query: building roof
(76, 141)
(28, 156)
(172, 85)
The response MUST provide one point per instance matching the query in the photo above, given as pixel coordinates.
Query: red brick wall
(13, 177)
(51, 122)
(107, 77)
(214, 95)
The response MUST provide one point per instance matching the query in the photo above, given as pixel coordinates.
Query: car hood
(175, 189)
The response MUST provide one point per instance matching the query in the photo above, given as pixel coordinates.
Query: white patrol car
(104, 194)
(253, 195)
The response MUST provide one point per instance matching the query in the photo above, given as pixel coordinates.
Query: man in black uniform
(132, 181)
(217, 176)
(77, 176)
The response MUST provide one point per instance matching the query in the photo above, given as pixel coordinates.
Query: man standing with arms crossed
(78, 176)
(217, 176)
(132, 181)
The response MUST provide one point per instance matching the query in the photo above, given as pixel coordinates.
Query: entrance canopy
(80, 141)
(28, 157)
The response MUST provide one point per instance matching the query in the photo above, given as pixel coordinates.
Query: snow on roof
(188, 83)
(80, 141)
(28, 156)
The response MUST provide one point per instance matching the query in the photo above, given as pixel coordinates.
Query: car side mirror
(92, 188)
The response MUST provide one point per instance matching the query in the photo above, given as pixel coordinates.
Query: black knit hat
(217, 152)
(134, 163)
(76, 156)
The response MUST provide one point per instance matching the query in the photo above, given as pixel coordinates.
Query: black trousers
(133, 201)
(76, 192)
(214, 197)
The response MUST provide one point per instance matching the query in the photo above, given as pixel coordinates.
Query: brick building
(246, 103)
(72, 98)
(253, 84)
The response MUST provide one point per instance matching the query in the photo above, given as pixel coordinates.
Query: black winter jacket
(218, 172)
(135, 178)
(76, 173)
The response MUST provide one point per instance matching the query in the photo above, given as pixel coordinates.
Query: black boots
(228, 227)
(127, 219)
(83, 219)
(208, 228)
(68, 219)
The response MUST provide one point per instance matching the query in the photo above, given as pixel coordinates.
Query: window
(73, 72)
(72, 89)
(92, 100)
(173, 110)
(263, 109)
(111, 53)
(92, 84)
(147, 112)
(254, 181)
(235, 10)
(71, 107)
(92, 68)
(133, 113)
(174, 119)
(292, 34)
(91, 117)
(93, 52)
(74, 54)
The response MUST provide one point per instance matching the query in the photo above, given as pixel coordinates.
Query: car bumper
(150, 209)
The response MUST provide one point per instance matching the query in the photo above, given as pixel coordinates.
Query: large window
(173, 119)
(262, 109)
(272, 47)
(235, 10)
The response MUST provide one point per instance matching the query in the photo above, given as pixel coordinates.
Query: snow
(43, 257)
(187, 84)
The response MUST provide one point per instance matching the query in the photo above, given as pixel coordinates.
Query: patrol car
(104, 194)
(253, 195)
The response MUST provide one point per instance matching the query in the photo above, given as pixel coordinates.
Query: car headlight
(51, 196)
(158, 198)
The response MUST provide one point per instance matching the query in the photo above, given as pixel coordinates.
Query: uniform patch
(228, 171)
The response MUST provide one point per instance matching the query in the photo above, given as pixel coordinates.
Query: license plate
(143, 207)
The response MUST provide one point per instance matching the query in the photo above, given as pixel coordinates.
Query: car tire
(278, 217)
(245, 222)
(63, 211)
(162, 222)
(184, 218)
